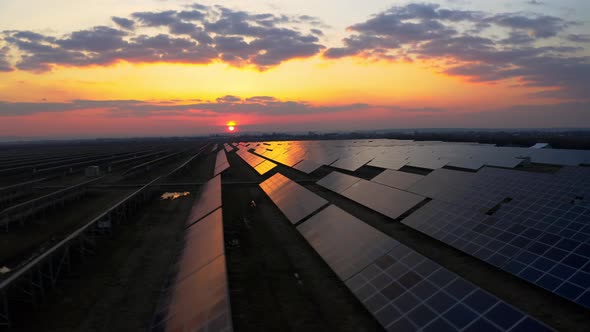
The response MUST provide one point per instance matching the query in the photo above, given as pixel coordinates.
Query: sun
(231, 126)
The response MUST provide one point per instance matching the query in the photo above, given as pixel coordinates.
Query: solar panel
(405, 291)
(209, 200)
(294, 201)
(397, 179)
(228, 147)
(389, 162)
(307, 166)
(221, 163)
(344, 242)
(467, 163)
(529, 244)
(338, 182)
(203, 243)
(264, 167)
(351, 163)
(429, 162)
(385, 200)
(251, 159)
(200, 302)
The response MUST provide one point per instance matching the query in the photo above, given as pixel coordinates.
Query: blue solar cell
(585, 299)
(481, 325)
(562, 271)
(575, 261)
(583, 250)
(424, 289)
(376, 302)
(549, 239)
(409, 279)
(549, 282)
(503, 315)
(514, 267)
(441, 302)
(392, 291)
(406, 302)
(459, 288)
(567, 245)
(526, 258)
(543, 264)
(480, 300)
(439, 325)
(581, 279)
(569, 291)
(442, 277)
(530, 274)
(381, 281)
(422, 315)
(402, 325)
(528, 325)
(426, 268)
(387, 315)
(460, 315)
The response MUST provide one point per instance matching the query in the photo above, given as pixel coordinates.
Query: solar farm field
(340, 235)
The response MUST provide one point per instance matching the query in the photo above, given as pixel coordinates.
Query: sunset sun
(231, 126)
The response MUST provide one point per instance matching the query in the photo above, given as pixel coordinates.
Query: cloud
(471, 45)
(124, 23)
(5, 66)
(360, 115)
(261, 105)
(198, 35)
(577, 38)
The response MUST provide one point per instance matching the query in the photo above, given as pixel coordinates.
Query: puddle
(173, 196)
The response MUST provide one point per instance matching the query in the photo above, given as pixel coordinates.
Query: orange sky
(316, 91)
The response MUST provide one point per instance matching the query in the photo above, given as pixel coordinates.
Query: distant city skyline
(174, 68)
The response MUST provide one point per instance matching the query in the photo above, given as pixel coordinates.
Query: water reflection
(173, 196)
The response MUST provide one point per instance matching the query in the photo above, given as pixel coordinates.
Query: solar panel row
(209, 200)
(228, 148)
(394, 154)
(261, 165)
(538, 226)
(221, 163)
(198, 298)
(386, 200)
(404, 290)
(293, 200)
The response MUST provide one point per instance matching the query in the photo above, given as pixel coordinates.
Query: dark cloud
(538, 26)
(4, 64)
(465, 39)
(200, 34)
(124, 23)
(262, 105)
(577, 38)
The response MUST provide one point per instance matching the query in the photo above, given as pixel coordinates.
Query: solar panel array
(402, 289)
(210, 199)
(350, 246)
(260, 165)
(228, 148)
(293, 200)
(221, 163)
(533, 225)
(198, 298)
(386, 200)
(397, 179)
(394, 154)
